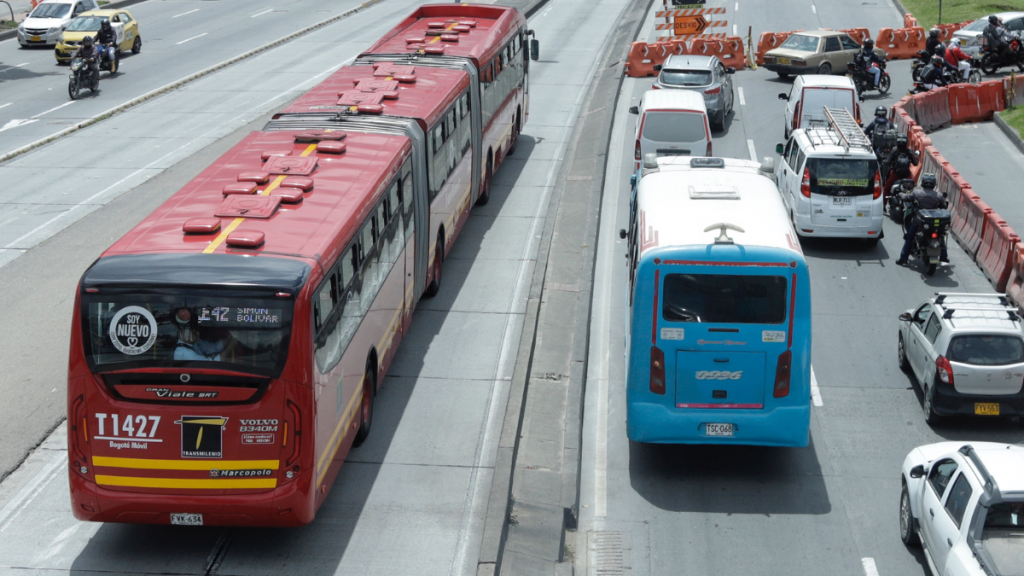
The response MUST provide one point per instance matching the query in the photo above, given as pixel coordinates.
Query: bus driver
(190, 346)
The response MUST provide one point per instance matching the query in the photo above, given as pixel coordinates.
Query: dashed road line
(869, 566)
(814, 8)
(192, 38)
(743, 101)
(815, 391)
(750, 149)
(185, 13)
(55, 109)
(262, 13)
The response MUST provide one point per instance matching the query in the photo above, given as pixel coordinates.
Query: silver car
(971, 34)
(702, 74)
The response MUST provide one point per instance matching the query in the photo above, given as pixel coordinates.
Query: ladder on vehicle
(849, 132)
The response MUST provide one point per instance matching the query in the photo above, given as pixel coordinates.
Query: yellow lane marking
(234, 223)
(187, 483)
(148, 464)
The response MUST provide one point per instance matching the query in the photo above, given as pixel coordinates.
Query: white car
(964, 504)
(972, 37)
(46, 22)
(967, 353)
(671, 123)
(811, 94)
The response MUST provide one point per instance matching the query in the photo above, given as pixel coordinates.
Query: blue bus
(718, 338)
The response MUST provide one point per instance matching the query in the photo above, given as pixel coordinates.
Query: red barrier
(643, 57)
(950, 184)
(901, 42)
(995, 255)
(677, 46)
(1015, 283)
(933, 163)
(974, 103)
(917, 140)
(858, 34)
(902, 120)
(946, 30)
(716, 47)
(909, 21)
(734, 54)
(768, 41)
(969, 222)
(931, 109)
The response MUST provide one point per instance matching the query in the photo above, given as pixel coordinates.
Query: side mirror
(534, 49)
(657, 67)
(730, 70)
(779, 148)
(917, 471)
(622, 233)
(634, 109)
(906, 317)
(783, 96)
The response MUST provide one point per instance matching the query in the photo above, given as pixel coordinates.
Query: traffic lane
(171, 51)
(986, 158)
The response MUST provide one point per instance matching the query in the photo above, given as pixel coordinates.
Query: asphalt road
(830, 508)
(411, 500)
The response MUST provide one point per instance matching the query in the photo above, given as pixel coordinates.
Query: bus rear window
(674, 127)
(842, 177)
(724, 299)
(166, 328)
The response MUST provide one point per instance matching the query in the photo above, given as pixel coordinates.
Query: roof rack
(1011, 313)
(941, 297)
(849, 132)
(990, 486)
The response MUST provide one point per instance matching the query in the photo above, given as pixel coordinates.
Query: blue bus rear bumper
(659, 424)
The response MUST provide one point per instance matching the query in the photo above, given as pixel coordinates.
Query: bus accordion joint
(723, 237)
(657, 370)
(782, 371)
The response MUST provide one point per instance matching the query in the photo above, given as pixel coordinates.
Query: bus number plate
(718, 429)
(187, 519)
(842, 201)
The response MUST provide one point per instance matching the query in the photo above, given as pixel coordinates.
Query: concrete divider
(995, 253)
(969, 222)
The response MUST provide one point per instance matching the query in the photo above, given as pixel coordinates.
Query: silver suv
(704, 75)
(967, 353)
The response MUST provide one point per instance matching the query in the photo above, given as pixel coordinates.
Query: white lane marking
(545, 13)
(298, 86)
(55, 109)
(15, 123)
(814, 8)
(6, 68)
(185, 13)
(733, 29)
(743, 101)
(750, 149)
(58, 543)
(869, 566)
(815, 391)
(737, 7)
(262, 13)
(28, 492)
(6, 105)
(192, 38)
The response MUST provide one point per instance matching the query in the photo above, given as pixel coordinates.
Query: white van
(671, 123)
(813, 92)
(829, 179)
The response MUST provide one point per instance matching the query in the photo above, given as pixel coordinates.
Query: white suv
(964, 503)
(967, 353)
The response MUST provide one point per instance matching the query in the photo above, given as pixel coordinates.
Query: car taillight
(805, 184)
(636, 153)
(657, 370)
(296, 433)
(782, 370)
(708, 153)
(798, 62)
(654, 87)
(878, 187)
(713, 90)
(944, 370)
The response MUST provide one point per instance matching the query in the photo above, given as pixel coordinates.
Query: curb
(899, 6)
(183, 81)
(6, 35)
(1010, 132)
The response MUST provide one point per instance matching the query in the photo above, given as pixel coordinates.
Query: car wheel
(928, 406)
(825, 68)
(783, 75)
(901, 355)
(908, 525)
(137, 45)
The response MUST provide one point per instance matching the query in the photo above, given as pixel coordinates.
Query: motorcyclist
(924, 198)
(933, 75)
(932, 41)
(995, 36)
(90, 56)
(106, 40)
(879, 125)
(866, 57)
(940, 51)
(899, 161)
(956, 57)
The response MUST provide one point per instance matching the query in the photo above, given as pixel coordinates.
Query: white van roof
(826, 81)
(673, 100)
(678, 202)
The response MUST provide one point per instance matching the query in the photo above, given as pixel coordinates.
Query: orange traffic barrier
(643, 57)
(931, 109)
(901, 42)
(677, 46)
(995, 254)
(917, 140)
(969, 221)
(902, 118)
(769, 41)
(951, 184)
(1015, 283)
(858, 34)
(909, 21)
(933, 163)
(946, 30)
(734, 54)
(973, 103)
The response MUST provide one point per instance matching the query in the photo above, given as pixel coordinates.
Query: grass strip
(1015, 118)
(927, 11)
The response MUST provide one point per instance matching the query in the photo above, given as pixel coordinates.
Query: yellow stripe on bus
(235, 223)
(151, 464)
(186, 483)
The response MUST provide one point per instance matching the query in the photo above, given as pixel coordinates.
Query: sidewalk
(21, 8)
(987, 159)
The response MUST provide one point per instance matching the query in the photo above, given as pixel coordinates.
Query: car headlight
(54, 29)
(21, 28)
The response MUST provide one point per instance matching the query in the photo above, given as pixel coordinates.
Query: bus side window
(325, 300)
(485, 75)
(395, 230)
(405, 190)
(465, 136)
(438, 161)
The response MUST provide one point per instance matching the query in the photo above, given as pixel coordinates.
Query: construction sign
(691, 22)
(687, 25)
(687, 3)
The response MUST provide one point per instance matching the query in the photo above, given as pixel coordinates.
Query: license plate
(986, 408)
(718, 429)
(35, 38)
(187, 519)
(782, 61)
(842, 201)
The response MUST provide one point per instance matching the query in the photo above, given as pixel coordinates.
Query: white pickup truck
(964, 504)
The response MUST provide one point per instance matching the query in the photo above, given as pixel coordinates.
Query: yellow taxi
(88, 24)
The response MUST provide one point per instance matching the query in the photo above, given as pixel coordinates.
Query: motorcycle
(81, 78)
(929, 240)
(110, 63)
(921, 59)
(992, 60)
(865, 81)
(893, 201)
(883, 143)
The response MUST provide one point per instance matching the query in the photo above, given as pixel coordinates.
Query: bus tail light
(944, 370)
(805, 184)
(79, 432)
(782, 370)
(657, 370)
(878, 187)
(636, 152)
(296, 433)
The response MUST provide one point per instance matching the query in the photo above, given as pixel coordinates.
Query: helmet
(105, 24)
(881, 112)
(936, 59)
(994, 20)
(87, 41)
(934, 32)
(869, 43)
(928, 181)
(901, 140)
(940, 49)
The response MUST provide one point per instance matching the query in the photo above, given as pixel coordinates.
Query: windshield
(842, 177)
(801, 42)
(977, 25)
(723, 298)
(674, 127)
(983, 350)
(686, 77)
(51, 11)
(86, 23)
(227, 330)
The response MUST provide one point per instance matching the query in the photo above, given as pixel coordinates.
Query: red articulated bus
(225, 353)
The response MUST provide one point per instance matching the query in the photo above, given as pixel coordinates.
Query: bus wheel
(435, 285)
(366, 405)
(515, 135)
(485, 188)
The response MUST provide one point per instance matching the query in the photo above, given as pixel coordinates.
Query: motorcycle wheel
(989, 64)
(974, 77)
(932, 267)
(915, 73)
(883, 84)
(73, 89)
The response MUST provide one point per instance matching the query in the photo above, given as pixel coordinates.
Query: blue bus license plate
(718, 429)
